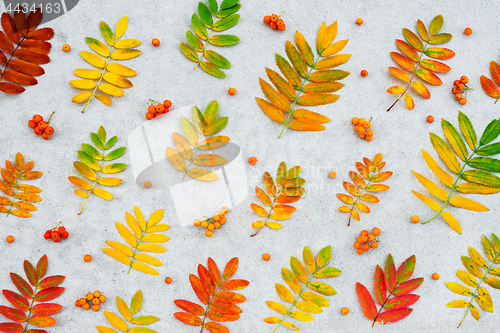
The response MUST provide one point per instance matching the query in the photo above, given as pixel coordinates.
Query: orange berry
(374, 245)
(87, 258)
(223, 210)
(147, 184)
(149, 116)
(458, 96)
(332, 174)
(77, 304)
(168, 280)
(211, 226)
(97, 293)
(42, 125)
(231, 91)
(82, 301)
(430, 119)
(463, 101)
(415, 219)
(273, 25)
(267, 19)
(367, 125)
(460, 86)
(468, 31)
(359, 239)
(86, 306)
(369, 133)
(222, 221)
(364, 73)
(364, 239)
(45, 136)
(364, 233)
(359, 21)
(197, 222)
(31, 123)
(362, 121)
(160, 108)
(456, 82)
(355, 120)
(376, 231)
(167, 103)
(370, 237)
(361, 134)
(155, 42)
(274, 18)
(282, 27)
(360, 251)
(209, 233)
(454, 90)
(96, 307)
(368, 138)
(49, 130)
(280, 22)
(252, 160)
(464, 79)
(9, 239)
(365, 247)
(37, 118)
(102, 298)
(344, 310)
(266, 256)
(217, 225)
(435, 276)
(89, 296)
(204, 224)
(66, 48)
(95, 301)
(357, 245)
(357, 127)
(151, 109)
(216, 218)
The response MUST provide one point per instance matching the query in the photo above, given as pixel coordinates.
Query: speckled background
(164, 73)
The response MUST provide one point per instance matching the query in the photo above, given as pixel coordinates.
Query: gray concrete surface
(164, 73)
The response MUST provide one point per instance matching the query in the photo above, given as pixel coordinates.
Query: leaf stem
(208, 305)
(191, 161)
(100, 79)
(296, 299)
(357, 198)
(270, 210)
(12, 55)
(412, 76)
(95, 183)
(382, 306)
(136, 249)
(15, 191)
(478, 286)
(30, 309)
(297, 96)
(206, 43)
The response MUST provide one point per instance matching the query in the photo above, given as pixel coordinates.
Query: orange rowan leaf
(188, 318)
(216, 328)
(206, 280)
(403, 61)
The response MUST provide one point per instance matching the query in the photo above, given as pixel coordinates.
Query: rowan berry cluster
(157, 110)
(214, 222)
(363, 128)
(91, 299)
(366, 241)
(56, 233)
(460, 89)
(41, 127)
(274, 22)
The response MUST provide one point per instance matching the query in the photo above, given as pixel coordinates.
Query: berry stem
(412, 76)
(48, 122)
(152, 100)
(297, 96)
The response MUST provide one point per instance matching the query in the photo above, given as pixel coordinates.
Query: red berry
(42, 125)
(158, 114)
(45, 136)
(65, 235)
(61, 230)
(267, 19)
(57, 239)
(49, 130)
(149, 116)
(47, 234)
(38, 131)
(151, 109)
(37, 118)
(31, 123)
(167, 103)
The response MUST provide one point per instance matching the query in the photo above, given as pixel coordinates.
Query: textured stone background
(164, 73)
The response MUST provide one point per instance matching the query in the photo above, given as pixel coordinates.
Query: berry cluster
(95, 298)
(213, 222)
(366, 240)
(157, 110)
(41, 127)
(56, 233)
(460, 89)
(274, 22)
(362, 127)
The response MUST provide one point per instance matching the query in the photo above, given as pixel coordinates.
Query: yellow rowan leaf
(469, 204)
(102, 193)
(428, 201)
(284, 293)
(258, 224)
(154, 248)
(410, 104)
(156, 217)
(435, 190)
(144, 268)
(302, 316)
(442, 175)
(273, 225)
(117, 80)
(111, 90)
(121, 26)
(81, 193)
(278, 307)
(126, 234)
(124, 249)
(156, 238)
(158, 228)
(124, 309)
(140, 218)
(133, 225)
(125, 54)
(93, 59)
(117, 255)
(457, 304)
(452, 222)
(445, 153)
(395, 90)
(104, 99)
(146, 258)
(81, 97)
(120, 69)
(82, 84)
(116, 321)
(109, 181)
(92, 74)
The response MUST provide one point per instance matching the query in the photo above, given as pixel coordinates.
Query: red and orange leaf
(216, 328)
(284, 208)
(51, 281)
(11, 327)
(229, 297)
(377, 187)
(369, 198)
(217, 316)
(421, 89)
(284, 199)
(42, 265)
(230, 268)
(272, 111)
(234, 284)
(355, 214)
(266, 200)
(439, 53)
(227, 308)
(429, 77)
(197, 286)
(42, 34)
(396, 90)
(403, 61)
(402, 75)
(304, 125)
(17, 300)
(413, 40)
(495, 71)
(11, 88)
(214, 271)
(379, 286)
(407, 287)
(206, 280)
(259, 210)
(362, 207)
(46, 309)
(435, 66)
(48, 294)
(406, 269)
(390, 273)
(490, 87)
(357, 179)
(188, 318)
(400, 302)
(366, 301)
(407, 50)
(382, 176)
(392, 316)
(363, 170)
(21, 285)
(345, 198)
(37, 46)
(278, 99)
(13, 314)
(42, 321)
(30, 272)
(351, 189)
(9, 27)
(190, 307)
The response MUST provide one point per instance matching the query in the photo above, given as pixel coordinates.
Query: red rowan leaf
(48, 294)
(17, 300)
